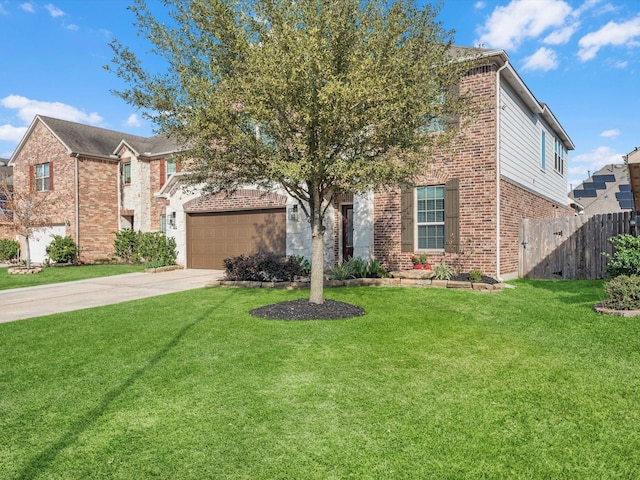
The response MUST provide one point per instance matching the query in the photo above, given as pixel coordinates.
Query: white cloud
(54, 11)
(479, 5)
(3, 11)
(9, 133)
(510, 25)
(72, 26)
(614, 132)
(616, 34)
(28, 109)
(621, 64)
(28, 7)
(133, 121)
(587, 163)
(561, 36)
(544, 59)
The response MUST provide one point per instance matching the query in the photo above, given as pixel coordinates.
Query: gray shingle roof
(100, 142)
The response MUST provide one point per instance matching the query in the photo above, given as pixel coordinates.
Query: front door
(347, 232)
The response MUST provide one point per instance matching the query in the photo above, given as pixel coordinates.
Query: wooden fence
(569, 247)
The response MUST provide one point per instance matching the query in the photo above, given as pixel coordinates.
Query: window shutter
(32, 178)
(163, 171)
(407, 223)
(452, 216)
(50, 175)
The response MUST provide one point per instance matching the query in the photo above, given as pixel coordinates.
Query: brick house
(509, 163)
(99, 181)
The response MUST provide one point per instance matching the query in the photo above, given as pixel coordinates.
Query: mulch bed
(304, 310)
(464, 277)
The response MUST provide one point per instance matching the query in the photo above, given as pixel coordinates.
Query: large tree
(318, 97)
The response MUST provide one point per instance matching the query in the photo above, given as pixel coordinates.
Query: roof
(606, 191)
(91, 141)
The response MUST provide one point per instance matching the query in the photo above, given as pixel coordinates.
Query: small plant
(125, 245)
(62, 249)
(415, 259)
(9, 249)
(626, 257)
(442, 272)
(623, 292)
(475, 276)
(423, 259)
(304, 263)
(342, 271)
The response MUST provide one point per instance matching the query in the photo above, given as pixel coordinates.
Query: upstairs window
(559, 157)
(126, 173)
(171, 168)
(42, 179)
(543, 150)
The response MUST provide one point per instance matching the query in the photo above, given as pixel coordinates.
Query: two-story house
(508, 163)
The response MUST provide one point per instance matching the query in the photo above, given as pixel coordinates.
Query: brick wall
(98, 212)
(242, 199)
(158, 205)
(517, 202)
(471, 159)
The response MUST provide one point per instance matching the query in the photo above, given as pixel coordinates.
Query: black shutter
(407, 215)
(452, 216)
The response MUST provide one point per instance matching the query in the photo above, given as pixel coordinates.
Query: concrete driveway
(21, 303)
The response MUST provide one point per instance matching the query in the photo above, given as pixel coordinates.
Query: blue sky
(580, 57)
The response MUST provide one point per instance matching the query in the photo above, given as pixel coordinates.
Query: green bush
(145, 247)
(623, 292)
(262, 267)
(442, 272)
(125, 245)
(626, 257)
(9, 249)
(475, 275)
(62, 249)
(358, 268)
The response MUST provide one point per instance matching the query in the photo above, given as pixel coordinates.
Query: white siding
(520, 149)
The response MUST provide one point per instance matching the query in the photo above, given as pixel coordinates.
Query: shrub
(358, 268)
(62, 249)
(475, 275)
(623, 292)
(262, 267)
(9, 249)
(442, 272)
(125, 245)
(139, 247)
(304, 263)
(626, 257)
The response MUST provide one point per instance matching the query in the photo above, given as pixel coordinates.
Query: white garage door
(40, 241)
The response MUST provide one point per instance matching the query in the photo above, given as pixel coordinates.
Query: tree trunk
(316, 292)
(28, 257)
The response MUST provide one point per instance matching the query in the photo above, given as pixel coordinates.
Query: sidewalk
(21, 303)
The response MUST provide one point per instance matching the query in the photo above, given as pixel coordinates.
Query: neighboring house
(632, 160)
(509, 163)
(6, 178)
(100, 181)
(606, 191)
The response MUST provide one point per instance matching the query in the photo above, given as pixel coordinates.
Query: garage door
(214, 236)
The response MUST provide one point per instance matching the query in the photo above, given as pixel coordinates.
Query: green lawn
(63, 274)
(527, 383)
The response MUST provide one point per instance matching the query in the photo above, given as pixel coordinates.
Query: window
(126, 173)
(543, 149)
(171, 168)
(430, 217)
(559, 157)
(163, 224)
(43, 177)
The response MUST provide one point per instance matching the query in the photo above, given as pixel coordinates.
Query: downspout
(77, 195)
(498, 110)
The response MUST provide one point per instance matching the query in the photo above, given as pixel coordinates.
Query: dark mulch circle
(304, 310)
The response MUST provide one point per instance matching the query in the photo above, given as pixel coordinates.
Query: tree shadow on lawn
(41, 462)
(575, 292)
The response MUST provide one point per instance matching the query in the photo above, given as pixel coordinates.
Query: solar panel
(624, 196)
(625, 188)
(604, 178)
(626, 204)
(589, 186)
(585, 193)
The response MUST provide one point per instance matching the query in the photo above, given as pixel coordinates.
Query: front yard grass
(527, 383)
(63, 274)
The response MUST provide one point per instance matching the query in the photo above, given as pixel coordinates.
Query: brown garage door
(214, 236)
